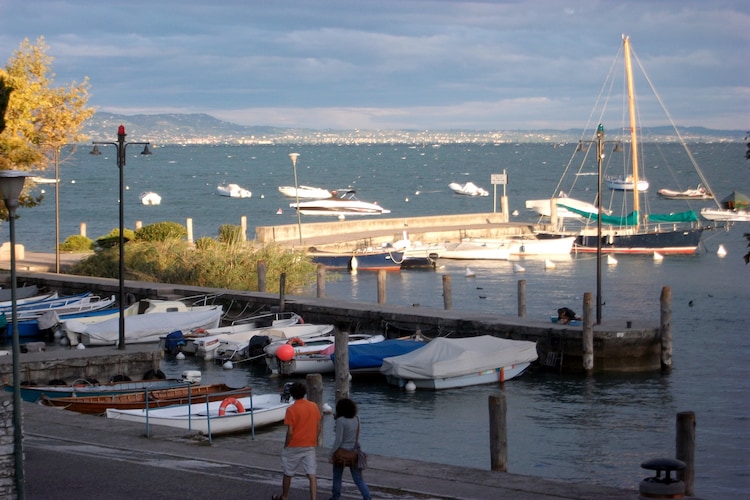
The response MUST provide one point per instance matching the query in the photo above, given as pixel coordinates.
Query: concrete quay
(72, 456)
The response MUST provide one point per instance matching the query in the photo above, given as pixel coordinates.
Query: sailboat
(636, 232)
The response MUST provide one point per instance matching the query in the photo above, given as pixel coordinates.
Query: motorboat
(699, 193)
(340, 206)
(366, 359)
(250, 345)
(725, 215)
(360, 260)
(231, 415)
(542, 245)
(34, 393)
(446, 363)
(626, 183)
(150, 198)
(233, 191)
(305, 192)
(468, 189)
(476, 250)
(310, 354)
(146, 398)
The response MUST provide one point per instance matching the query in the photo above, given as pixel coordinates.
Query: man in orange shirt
(303, 426)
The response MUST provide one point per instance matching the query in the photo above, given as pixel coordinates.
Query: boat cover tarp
(632, 218)
(146, 327)
(23, 292)
(445, 358)
(735, 201)
(372, 355)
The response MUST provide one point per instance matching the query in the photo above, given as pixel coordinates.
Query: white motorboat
(305, 192)
(341, 206)
(142, 328)
(239, 349)
(233, 191)
(725, 215)
(150, 198)
(232, 415)
(473, 250)
(468, 189)
(626, 183)
(562, 245)
(699, 193)
(310, 354)
(446, 363)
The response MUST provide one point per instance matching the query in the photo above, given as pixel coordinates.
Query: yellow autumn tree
(39, 117)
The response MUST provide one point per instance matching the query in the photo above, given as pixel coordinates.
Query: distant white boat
(346, 204)
(233, 191)
(306, 192)
(43, 180)
(468, 189)
(150, 198)
(625, 183)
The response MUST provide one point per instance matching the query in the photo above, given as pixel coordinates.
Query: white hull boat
(699, 193)
(544, 207)
(725, 215)
(144, 328)
(627, 183)
(150, 198)
(342, 206)
(446, 363)
(305, 192)
(311, 354)
(233, 191)
(231, 415)
(472, 250)
(468, 189)
(235, 347)
(534, 246)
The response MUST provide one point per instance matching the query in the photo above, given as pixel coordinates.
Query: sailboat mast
(633, 128)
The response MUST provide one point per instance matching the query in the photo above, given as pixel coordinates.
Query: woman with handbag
(345, 451)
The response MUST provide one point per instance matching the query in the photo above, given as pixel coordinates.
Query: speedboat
(150, 198)
(233, 191)
(344, 205)
(306, 192)
(468, 189)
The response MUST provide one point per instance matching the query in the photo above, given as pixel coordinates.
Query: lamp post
(57, 204)
(11, 184)
(599, 157)
(294, 157)
(121, 148)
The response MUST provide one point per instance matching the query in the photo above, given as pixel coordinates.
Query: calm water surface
(596, 429)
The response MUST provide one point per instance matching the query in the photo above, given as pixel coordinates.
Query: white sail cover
(146, 327)
(444, 358)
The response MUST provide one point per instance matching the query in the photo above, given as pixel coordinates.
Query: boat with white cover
(231, 415)
(233, 191)
(150, 198)
(446, 363)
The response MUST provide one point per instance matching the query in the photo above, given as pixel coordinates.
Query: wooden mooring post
(588, 333)
(381, 286)
(314, 383)
(498, 433)
(447, 291)
(666, 328)
(521, 298)
(685, 449)
(341, 364)
(321, 282)
(262, 268)
(282, 292)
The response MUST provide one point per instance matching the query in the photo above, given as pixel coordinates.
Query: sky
(391, 64)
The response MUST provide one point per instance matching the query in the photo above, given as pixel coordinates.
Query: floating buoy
(518, 268)
(658, 256)
(406, 199)
(611, 261)
(470, 273)
(410, 386)
(353, 264)
(180, 356)
(721, 252)
(548, 264)
(327, 410)
(515, 213)
(279, 212)
(80, 347)
(228, 365)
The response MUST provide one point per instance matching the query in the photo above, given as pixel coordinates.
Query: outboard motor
(287, 392)
(174, 342)
(256, 345)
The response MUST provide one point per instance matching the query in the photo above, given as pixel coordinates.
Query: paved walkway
(69, 455)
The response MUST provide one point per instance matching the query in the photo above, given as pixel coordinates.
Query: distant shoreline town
(205, 129)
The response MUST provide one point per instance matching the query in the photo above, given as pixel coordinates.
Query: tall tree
(39, 118)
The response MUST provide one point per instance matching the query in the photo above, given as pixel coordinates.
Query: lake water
(596, 429)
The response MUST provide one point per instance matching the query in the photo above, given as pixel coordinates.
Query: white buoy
(353, 264)
(548, 264)
(327, 410)
(611, 261)
(180, 356)
(80, 347)
(518, 268)
(410, 386)
(470, 273)
(658, 256)
(721, 252)
(227, 365)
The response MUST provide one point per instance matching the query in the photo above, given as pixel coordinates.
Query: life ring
(296, 342)
(228, 402)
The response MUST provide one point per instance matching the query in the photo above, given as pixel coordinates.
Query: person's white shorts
(291, 458)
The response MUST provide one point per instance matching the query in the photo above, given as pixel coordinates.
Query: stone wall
(7, 457)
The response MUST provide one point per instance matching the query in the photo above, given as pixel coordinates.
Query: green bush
(206, 243)
(113, 237)
(77, 243)
(230, 234)
(161, 231)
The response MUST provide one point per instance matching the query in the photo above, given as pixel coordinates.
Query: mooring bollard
(658, 486)
(521, 298)
(588, 333)
(321, 281)
(447, 298)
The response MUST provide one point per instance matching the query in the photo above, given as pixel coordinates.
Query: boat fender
(296, 342)
(230, 402)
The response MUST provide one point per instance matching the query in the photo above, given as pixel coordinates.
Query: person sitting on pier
(566, 315)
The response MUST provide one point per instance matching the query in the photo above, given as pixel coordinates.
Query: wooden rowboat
(157, 398)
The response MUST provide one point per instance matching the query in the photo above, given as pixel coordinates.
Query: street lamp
(121, 147)
(599, 157)
(11, 185)
(57, 203)
(294, 157)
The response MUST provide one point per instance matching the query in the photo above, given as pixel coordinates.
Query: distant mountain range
(176, 128)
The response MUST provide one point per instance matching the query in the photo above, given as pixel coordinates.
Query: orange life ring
(296, 342)
(230, 401)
